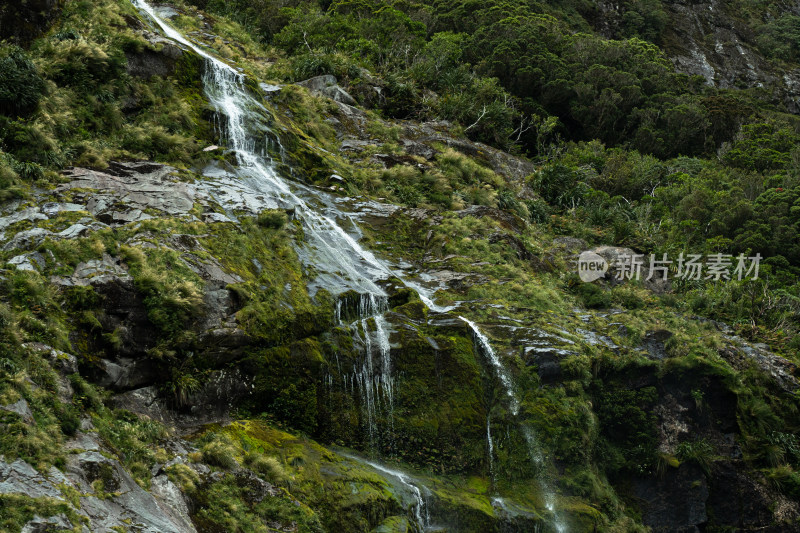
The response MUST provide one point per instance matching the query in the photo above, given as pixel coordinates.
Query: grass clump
(220, 452)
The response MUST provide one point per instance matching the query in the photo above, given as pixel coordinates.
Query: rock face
(122, 504)
(159, 61)
(676, 502)
(710, 39)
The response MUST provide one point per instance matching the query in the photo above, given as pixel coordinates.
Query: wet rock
(738, 502)
(674, 502)
(269, 89)
(740, 354)
(654, 341)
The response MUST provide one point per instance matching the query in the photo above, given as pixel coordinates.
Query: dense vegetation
(630, 151)
(626, 150)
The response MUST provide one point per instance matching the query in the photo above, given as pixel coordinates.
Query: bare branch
(483, 113)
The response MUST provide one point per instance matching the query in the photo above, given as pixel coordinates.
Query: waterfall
(340, 262)
(500, 370)
(490, 446)
(534, 449)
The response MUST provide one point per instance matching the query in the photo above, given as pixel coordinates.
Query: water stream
(419, 508)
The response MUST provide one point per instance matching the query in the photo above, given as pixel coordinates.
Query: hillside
(322, 266)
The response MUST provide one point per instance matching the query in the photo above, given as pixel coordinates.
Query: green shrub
(272, 218)
(21, 86)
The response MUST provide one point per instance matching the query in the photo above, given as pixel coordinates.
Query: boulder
(326, 86)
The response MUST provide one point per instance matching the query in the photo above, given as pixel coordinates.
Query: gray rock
(318, 83)
(99, 271)
(63, 362)
(27, 239)
(355, 145)
(159, 62)
(215, 217)
(31, 214)
(326, 86)
(125, 373)
(82, 441)
(419, 149)
(21, 408)
(270, 89)
(740, 354)
(74, 231)
(53, 208)
(21, 478)
(654, 341)
(338, 94)
(33, 262)
(172, 502)
(45, 525)
(130, 507)
(139, 186)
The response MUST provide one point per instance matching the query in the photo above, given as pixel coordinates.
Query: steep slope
(252, 338)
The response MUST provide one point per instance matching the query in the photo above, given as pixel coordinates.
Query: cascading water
(419, 508)
(502, 375)
(534, 449)
(340, 262)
